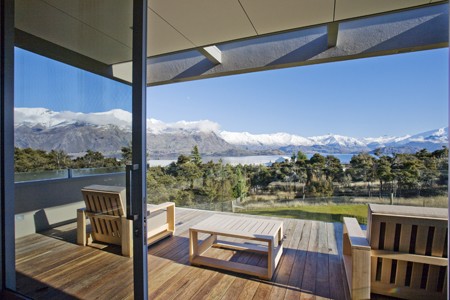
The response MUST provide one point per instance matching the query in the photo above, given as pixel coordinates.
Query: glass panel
(71, 121)
(96, 171)
(40, 175)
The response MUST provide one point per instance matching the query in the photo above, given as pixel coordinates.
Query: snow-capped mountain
(46, 118)
(433, 136)
(49, 119)
(276, 139)
(438, 136)
(76, 132)
(108, 132)
(159, 127)
(331, 143)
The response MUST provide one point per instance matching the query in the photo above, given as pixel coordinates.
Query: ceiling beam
(212, 53)
(332, 34)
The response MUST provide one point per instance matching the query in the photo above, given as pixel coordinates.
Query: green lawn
(327, 213)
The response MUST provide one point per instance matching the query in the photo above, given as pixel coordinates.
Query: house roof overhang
(196, 39)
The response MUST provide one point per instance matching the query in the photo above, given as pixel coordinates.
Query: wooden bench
(267, 231)
(408, 257)
(105, 208)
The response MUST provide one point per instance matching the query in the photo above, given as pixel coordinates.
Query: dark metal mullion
(139, 126)
(448, 201)
(7, 246)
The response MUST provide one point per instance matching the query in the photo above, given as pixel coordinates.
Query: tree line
(190, 180)
(31, 160)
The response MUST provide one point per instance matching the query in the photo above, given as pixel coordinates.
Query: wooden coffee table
(270, 232)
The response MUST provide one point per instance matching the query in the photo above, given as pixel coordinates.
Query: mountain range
(107, 132)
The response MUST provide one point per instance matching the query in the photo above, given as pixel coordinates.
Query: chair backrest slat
(439, 242)
(416, 276)
(389, 236)
(375, 234)
(102, 201)
(405, 238)
(421, 239)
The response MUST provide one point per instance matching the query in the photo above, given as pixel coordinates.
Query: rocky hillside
(108, 132)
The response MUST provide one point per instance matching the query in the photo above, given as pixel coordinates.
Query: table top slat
(239, 227)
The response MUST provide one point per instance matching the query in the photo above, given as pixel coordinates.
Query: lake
(247, 160)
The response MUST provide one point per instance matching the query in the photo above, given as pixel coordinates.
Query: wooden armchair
(105, 208)
(404, 253)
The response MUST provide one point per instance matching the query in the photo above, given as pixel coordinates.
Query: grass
(327, 213)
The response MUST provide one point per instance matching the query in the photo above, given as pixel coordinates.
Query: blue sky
(389, 95)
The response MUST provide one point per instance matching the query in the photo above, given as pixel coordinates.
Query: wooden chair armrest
(158, 207)
(81, 227)
(356, 235)
(127, 237)
(356, 258)
(168, 229)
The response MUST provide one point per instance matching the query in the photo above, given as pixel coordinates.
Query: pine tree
(240, 189)
(127, 155)
(195, 156)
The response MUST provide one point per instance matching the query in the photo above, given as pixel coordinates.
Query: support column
(7, 264)
(139, 144)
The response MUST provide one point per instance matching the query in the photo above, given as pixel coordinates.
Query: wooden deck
(51, 266)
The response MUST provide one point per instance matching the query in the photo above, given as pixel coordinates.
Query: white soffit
(346, 9)
(205, 22)
(269, 16)
(163, 38)
(114, 18)
(56, 26)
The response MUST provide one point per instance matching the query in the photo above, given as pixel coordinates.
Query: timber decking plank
(298, 267)
(249, 290)
(199, 278)
(171, 288)
(52, 266)
(334, 262)
(322, 279)
(215, 289)
(309, 281)
(263, 291)
(235, 289)
(285, 267)
(166, 289)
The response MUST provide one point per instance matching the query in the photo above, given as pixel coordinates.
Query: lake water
(248, 160)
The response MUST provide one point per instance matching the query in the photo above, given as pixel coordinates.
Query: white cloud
(156, 126)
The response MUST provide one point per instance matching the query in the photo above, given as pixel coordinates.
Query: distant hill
(107, 132)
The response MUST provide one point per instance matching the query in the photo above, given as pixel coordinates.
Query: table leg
(280, 235)
(270, 259)
(81, 227)
(206, 244)
(193, 244)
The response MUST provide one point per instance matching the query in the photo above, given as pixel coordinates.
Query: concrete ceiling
(101, 30)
